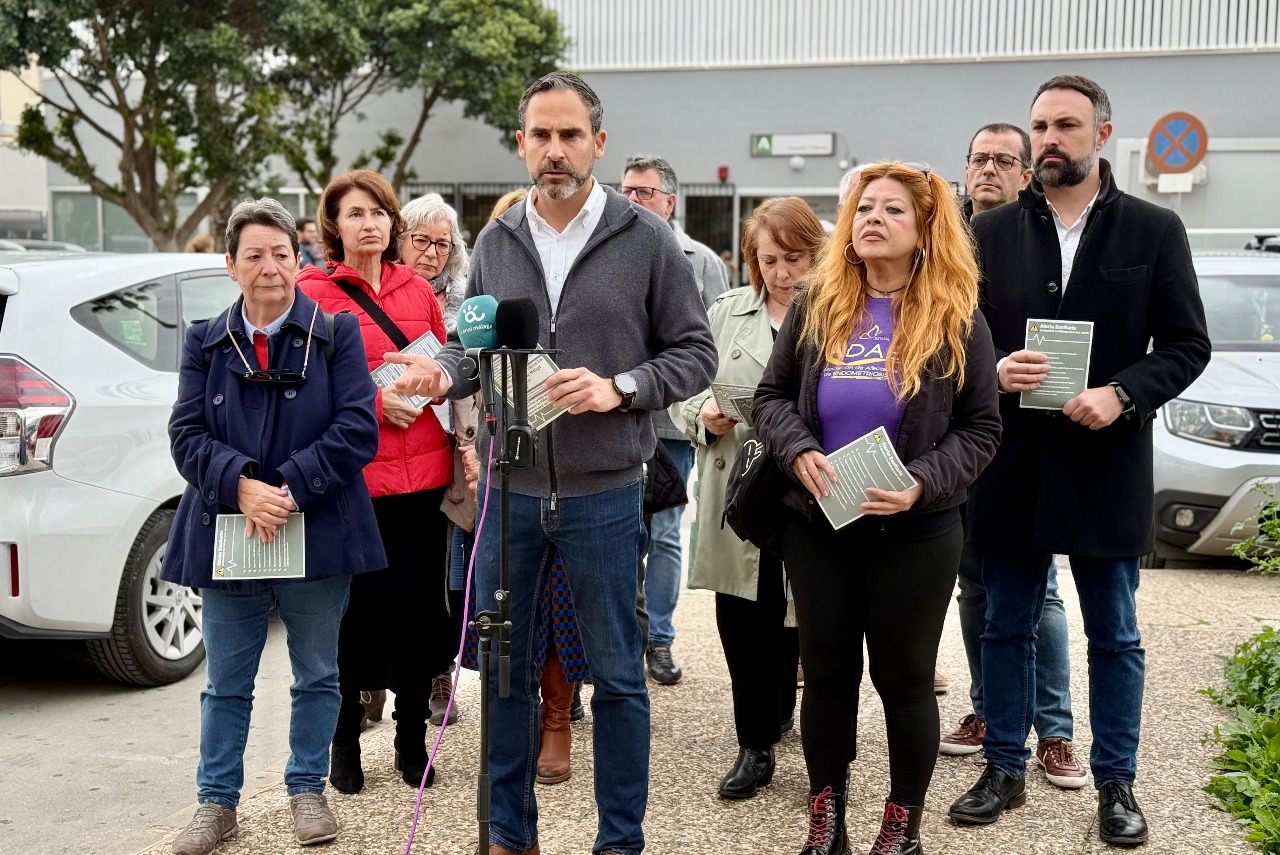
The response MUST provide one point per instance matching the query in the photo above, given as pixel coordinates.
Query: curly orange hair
(934, 312)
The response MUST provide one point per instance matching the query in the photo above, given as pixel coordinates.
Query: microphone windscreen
(477, 324)
(518, 323)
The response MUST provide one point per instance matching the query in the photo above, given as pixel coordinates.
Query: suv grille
(1267, 436)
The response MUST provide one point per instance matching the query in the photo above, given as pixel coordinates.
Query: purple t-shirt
(854, 398)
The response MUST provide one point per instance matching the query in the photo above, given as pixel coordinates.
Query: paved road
(86, 766)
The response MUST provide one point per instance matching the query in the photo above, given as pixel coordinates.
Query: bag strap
(327, 347)
(373, 310)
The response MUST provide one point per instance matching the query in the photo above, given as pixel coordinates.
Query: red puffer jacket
(408, 460)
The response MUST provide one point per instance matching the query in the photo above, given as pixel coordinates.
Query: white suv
(89, 349)
(1221, 436)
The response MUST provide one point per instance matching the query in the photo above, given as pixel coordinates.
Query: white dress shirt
(1069, 237)
(558, 250)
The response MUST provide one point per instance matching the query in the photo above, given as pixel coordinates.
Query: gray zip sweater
(629, 304)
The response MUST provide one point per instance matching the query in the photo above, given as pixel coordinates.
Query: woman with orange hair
(888, 334)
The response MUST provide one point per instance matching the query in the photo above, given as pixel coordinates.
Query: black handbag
(663, 487)
(753, 505)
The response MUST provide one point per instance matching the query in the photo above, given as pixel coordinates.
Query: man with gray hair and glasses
(650, 182)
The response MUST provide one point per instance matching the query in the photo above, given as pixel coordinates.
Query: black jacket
(946, 437)
(1055, 486)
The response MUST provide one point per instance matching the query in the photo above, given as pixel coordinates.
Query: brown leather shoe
(1061, 766)
(495, 849)
(557, 697)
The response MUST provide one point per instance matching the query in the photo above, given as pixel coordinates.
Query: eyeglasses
(918, 166)
(421, 242)
(1004, 162)
(274, 375)
(644, 194)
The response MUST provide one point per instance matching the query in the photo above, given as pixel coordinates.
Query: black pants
(402, 623)
(762, 656)
(887, 580)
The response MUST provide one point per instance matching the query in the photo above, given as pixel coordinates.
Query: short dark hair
(644, 162)
(259, 212)
(304, 222)
(573, 83)
(1004, 128)
(377, 187)
(1096, 94)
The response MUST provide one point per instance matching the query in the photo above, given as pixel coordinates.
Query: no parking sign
(1177, 144)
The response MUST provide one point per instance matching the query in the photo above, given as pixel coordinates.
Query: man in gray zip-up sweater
(617, 298)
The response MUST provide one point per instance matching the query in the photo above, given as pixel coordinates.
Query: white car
(1219, 438)
(89, 349)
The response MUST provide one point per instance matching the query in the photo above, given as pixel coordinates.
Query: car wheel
(1151, 561)
(156, 638)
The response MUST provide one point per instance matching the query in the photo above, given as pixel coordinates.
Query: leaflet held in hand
(1068, 345)
(387, 373)
(541, 411)
(237, 557)
(735, 401)
(868, 461)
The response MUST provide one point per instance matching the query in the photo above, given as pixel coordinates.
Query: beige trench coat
(718, 560)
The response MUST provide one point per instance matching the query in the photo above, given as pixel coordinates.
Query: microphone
(517, 331)
(477, 330)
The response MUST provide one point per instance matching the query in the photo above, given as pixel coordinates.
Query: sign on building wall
(789, 145)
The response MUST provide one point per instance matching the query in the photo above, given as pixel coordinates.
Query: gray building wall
(703, 119)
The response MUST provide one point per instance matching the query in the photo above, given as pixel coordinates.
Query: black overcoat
(1055, 486)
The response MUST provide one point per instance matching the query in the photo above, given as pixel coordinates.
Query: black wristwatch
(1125, 400)
(625, 385)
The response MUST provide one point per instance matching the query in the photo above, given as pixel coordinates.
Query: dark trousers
(402, 623)
(762, 656)
(888, 581)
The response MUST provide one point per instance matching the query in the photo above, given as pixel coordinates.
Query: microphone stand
(497, 622)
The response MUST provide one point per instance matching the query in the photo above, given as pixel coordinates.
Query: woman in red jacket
(400, 629)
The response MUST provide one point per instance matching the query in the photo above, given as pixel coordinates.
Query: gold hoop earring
(855, 261)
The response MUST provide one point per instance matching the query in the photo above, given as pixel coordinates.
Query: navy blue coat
(316, 436)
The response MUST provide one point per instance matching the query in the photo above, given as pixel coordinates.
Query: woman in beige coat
(780, 242)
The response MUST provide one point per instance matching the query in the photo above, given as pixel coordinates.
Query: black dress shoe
(987, 799)
(1120, 820)
(753, 770)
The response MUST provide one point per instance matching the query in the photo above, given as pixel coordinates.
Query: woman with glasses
(780, 243)
(275, 422)
(886, 341)
(432, 245)
(401, 628)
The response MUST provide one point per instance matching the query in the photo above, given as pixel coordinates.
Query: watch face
(625, 383)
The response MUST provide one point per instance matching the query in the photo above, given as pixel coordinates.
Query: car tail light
(33, 410)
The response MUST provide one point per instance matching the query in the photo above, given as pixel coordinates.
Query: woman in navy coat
(274, 418)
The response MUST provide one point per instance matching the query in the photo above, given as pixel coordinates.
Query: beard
(1069, 173)
(561, 189)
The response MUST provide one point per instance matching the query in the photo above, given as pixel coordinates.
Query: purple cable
(457, 674)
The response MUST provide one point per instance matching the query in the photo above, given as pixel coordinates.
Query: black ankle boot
(753, 770)
(826, 825)
(899, 831)
(345, 774)
(411, 762)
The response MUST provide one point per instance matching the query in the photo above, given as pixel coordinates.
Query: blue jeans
(235, 631)
(1015, 585)
(1052, 717)
(599, 538)
(663, 571)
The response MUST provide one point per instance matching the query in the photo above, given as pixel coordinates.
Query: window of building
(75, 219)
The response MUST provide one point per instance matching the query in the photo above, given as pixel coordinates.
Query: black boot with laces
(826, 824)
(899, 831)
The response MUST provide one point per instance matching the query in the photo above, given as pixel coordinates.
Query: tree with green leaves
(482, 54)
(178, 93)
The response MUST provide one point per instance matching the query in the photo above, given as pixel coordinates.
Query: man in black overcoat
(1076, 482)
